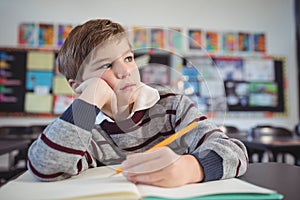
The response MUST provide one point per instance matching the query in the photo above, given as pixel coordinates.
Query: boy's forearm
(60, 152)
(81, 114)
(62, 149)
(220, 156)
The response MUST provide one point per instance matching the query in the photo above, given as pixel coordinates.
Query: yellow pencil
(168, 140)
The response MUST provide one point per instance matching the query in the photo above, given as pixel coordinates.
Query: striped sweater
(74, 143)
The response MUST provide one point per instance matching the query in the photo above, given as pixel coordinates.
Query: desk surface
(283, 178)
(89, 182)
(280, 144)
(7, 146)
(273, 141)
(273, 144)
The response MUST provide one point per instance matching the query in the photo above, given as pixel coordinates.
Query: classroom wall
(274, 17)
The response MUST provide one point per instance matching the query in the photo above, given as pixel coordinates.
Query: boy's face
(113, 61)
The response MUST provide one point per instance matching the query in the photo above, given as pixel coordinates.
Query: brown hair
(81, 41)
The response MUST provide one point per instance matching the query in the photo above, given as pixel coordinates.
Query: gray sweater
(73, 142)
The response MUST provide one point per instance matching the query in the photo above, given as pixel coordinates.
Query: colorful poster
(212, 41)
(27, 32)
(259, 70)
(195, 39)
(157, 38)
(191, 83)
(259, 42)
(139, 38)
(154, 73)
(229, 42)
(212, 88)
(63, 32)
(36, 80)
(61, 103)
(175, 39)
(263, 94)
(244, 42)
(230, 68)
(205, 66)
(46, 34)
(237, 93)
(40, 60)
(61, 86)
(36, 103)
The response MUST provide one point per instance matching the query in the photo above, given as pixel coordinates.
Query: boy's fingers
(137, 159)
(150, 161)
(148, 178)
(149, 166)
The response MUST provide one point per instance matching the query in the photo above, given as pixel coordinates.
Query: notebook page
(227, 186)
(93, 183)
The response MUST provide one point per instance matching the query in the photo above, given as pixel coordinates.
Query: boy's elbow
(236, 165)
(41, 176)
(44, 167)
(242, 167)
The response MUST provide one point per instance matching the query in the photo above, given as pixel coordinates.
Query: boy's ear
(73, 84)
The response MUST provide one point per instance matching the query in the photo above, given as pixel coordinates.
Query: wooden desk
(273, 145)
(283, 178)
(7, 146)
(96, 180)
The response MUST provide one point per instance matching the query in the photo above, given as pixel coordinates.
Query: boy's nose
(122, 70)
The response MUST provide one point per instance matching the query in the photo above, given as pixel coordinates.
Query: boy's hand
(162, 167)
(97, 92)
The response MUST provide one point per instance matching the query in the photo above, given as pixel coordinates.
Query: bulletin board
(30, 85)
(238, 86)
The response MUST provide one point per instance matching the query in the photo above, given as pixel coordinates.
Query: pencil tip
(112, 174)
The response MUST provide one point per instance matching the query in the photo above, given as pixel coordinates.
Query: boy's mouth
(127, 87)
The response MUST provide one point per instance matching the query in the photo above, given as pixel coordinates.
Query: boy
(115, 118)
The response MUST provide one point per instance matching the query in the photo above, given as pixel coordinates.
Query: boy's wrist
(194, 169)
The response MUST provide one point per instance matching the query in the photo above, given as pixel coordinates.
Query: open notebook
(96, 184)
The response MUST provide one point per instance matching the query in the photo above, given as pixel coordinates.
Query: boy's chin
(126, 98)
(123, 103)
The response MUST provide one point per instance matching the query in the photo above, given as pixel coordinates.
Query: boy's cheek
(108, 77)
(111, 83)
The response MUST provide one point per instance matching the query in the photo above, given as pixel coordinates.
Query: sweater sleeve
(220, 156)
(61, 150)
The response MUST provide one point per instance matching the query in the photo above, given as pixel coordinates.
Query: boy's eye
(106, 66)
(129, 59)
